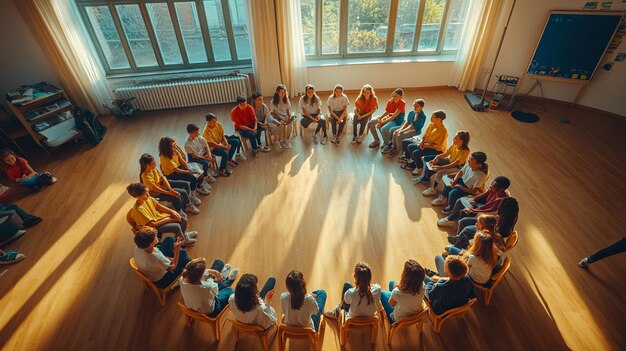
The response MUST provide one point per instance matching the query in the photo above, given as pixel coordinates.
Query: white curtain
(263, 43)
(480, 21)
(291, 46)
(58, 26)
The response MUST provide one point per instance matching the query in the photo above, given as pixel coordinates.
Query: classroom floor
(320, 209)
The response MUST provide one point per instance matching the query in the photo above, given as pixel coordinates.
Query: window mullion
(151, 34)
(122, 34)
(177, 31)
(343, 28)
(206, 35)
(94, 39)
(418, 26)
(318, 28)
(229, 30)
(391, 27)
(443, 26)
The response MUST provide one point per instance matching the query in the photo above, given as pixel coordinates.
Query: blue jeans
(179, 202)
(250, 136)
(167, 248)
(31, 182)
(417, 154)
(321, 303)
(205, 163)
(386, 130)
(385, 296)
(615, 248)
(221, 300)
(453, 194)
(25, 216)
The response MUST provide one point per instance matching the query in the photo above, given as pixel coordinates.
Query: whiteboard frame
(572, 12)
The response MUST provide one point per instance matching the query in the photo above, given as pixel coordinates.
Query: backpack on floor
(89, 125)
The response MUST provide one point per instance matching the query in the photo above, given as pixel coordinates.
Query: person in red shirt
(392, 117)
(245, 122)
(17, 169)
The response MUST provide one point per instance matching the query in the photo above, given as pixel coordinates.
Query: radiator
(187, 93)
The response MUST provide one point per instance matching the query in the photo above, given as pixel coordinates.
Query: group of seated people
(13, 219)
(485, 217)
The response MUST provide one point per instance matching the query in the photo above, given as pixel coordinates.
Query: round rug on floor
(525, 117)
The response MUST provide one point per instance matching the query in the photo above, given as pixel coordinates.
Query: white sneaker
(281, 144)
(225, 270)
(324, 139)
(359, 139)
(417, 171)
(202, 191)
(232, 276)
(241, 157)
(444, 222)
(196, 201)
(192, 234)
(212, 173)
(287, 145)
(192, 209)
(440, 200)
(188, 242)
(209, 179)
(429, 192)
(315, 140)
(206, 187)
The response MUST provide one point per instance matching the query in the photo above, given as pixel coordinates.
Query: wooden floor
(320, 209)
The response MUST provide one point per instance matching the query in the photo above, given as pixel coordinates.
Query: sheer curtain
(291, 46)
(57, 26)
(262, 29)
(477, 35)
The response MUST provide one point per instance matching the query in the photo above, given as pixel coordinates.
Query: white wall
(605, 92)
(22, 61)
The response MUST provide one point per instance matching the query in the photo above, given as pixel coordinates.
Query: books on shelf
(52, 121)
(28, 93)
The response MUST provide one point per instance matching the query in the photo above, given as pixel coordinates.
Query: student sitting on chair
(446, 163)
(162, 266)
(226, 148)
(433, 142)
(405, 299)
(337, 111)
(177, 192)
(280, 113)
(446, 293)
(207, 290)
(147, 212)
(19, 170)
(392, 117)
(468, 181)
(264, 123)
(412, 127)
(362, 300)
(364, 107)
(251, 306)
(506, 220)
(245, 122)
(300, 308)
(489, 201)
(311, 113)
(198, 151)
(175, 167)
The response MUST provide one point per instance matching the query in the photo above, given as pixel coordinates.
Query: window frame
(391, 28)
(161, 66)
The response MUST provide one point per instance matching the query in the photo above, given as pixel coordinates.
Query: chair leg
(264, 341)
(374, 333)
(217, 330)
(488, 296)
(390, 335)
(281, 340)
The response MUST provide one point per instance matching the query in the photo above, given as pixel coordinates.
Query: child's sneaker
(11, 257)
(584, 263)
(440, 200)
(209, 178)
(444, 222)
(192, 234)
(359, 139)
(191, 208)
(241, 157)
(429, 192)
(334, 313)
(353, 140)
(324, 140)
(232, 276)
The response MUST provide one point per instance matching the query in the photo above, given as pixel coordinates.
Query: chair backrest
(411, 320)
(296, 331)
(247, 328)
(511, 241)
(131, 221)
(361, 322)
(452, 312)
(133, 264)
(499, 275)
(195, 314)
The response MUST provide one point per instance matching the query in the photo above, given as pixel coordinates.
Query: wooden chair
(191, 315)
(407, 322)
(263, 335)
(161, 294)
(439, 319)
(496, 278)
(511, 241)
(286, 332)
(302, 128)
(359, 323)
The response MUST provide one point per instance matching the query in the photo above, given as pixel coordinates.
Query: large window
(156, 35)
(363, 28)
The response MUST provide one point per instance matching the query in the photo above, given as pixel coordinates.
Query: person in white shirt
(198, 151)
(280, 113)
(264, 123)
(468, 181)
(311, 112)
(337, 111)
(207, 290)
(362, 300)
(251, 306)
(405, 299)
(300, 308)
(162, 264)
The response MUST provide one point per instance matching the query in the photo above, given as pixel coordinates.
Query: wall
(605, 92)
(22, 61)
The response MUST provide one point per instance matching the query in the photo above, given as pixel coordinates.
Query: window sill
(377, 60)
(179, 74)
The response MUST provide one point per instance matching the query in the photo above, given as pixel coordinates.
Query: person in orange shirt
(392, 117)
(364, 106)
(245, 122)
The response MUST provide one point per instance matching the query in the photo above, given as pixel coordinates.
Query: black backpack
(89, 125)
